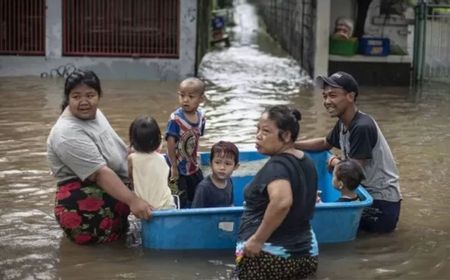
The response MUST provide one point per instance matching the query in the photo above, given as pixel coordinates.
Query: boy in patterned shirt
(184, 129)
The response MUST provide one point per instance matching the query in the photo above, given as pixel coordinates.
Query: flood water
(242, 80)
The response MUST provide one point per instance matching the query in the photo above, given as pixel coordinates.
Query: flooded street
(242, 80)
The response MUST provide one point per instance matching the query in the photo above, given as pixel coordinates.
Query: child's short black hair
(145, 135)
(350, 173)
(225, 148)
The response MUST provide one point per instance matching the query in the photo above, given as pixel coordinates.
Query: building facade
(118, 39)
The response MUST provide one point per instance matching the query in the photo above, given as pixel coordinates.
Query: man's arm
(334, 160)
(315, 144)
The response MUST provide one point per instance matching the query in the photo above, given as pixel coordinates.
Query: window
(127, 28)
(22, 27)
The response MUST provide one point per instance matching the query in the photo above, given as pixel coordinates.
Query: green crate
(343, 46)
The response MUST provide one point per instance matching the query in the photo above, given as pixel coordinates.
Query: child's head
(144, 134)
(191, 93)
(224, 159)
(348, 174)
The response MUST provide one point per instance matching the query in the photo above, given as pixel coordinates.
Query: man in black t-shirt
(358, 136)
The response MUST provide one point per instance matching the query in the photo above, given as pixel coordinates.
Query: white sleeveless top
(150, 179)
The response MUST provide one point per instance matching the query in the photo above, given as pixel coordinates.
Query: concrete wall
(342, 8)
(322, 42)
(369, 73)
(109, 68)
(203, 29)
(292, 23)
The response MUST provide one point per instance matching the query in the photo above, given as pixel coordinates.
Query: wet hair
(225, 148)
(144, 134)
(350, 173)
(194, 82)
(286, 119)
(80, 77)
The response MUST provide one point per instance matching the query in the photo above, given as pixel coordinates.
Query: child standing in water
(147, 168)
(216, 190)
(184, 129)
(347, 175)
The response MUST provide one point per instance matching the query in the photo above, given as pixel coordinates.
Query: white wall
(341, 8)
(398, 34)
(322, 37)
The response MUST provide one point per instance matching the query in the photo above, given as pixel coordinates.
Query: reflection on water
(242, 80)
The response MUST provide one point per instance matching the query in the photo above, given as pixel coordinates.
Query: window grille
(126, 28)
(22, 27)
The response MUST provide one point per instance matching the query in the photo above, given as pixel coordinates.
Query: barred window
(127, 28)
(22, 27)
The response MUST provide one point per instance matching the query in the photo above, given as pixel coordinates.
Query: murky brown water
(242, 81)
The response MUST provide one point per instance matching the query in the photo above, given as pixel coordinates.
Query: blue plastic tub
(217, 228)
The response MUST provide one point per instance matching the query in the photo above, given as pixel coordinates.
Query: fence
(292, 24)
(22, 27)
(432, 43)
(130, 28)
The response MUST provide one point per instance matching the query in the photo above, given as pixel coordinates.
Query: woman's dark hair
(350, 173)
(80, 77)
(144, 134)
(225, 148)
(286, 119)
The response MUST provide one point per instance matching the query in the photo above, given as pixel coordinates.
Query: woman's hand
(110, 183)
(253, 247)
(140, 208)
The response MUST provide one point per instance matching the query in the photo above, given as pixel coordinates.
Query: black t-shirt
(294, 233)
(208, 195)
(359, 138)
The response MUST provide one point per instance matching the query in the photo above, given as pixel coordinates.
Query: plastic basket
(374, 46)
(341, 46)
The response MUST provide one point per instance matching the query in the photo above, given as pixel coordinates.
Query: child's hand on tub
(318, 199)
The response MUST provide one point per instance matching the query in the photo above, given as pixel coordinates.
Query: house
(118, 39)
(384, 45)
(303, 29)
